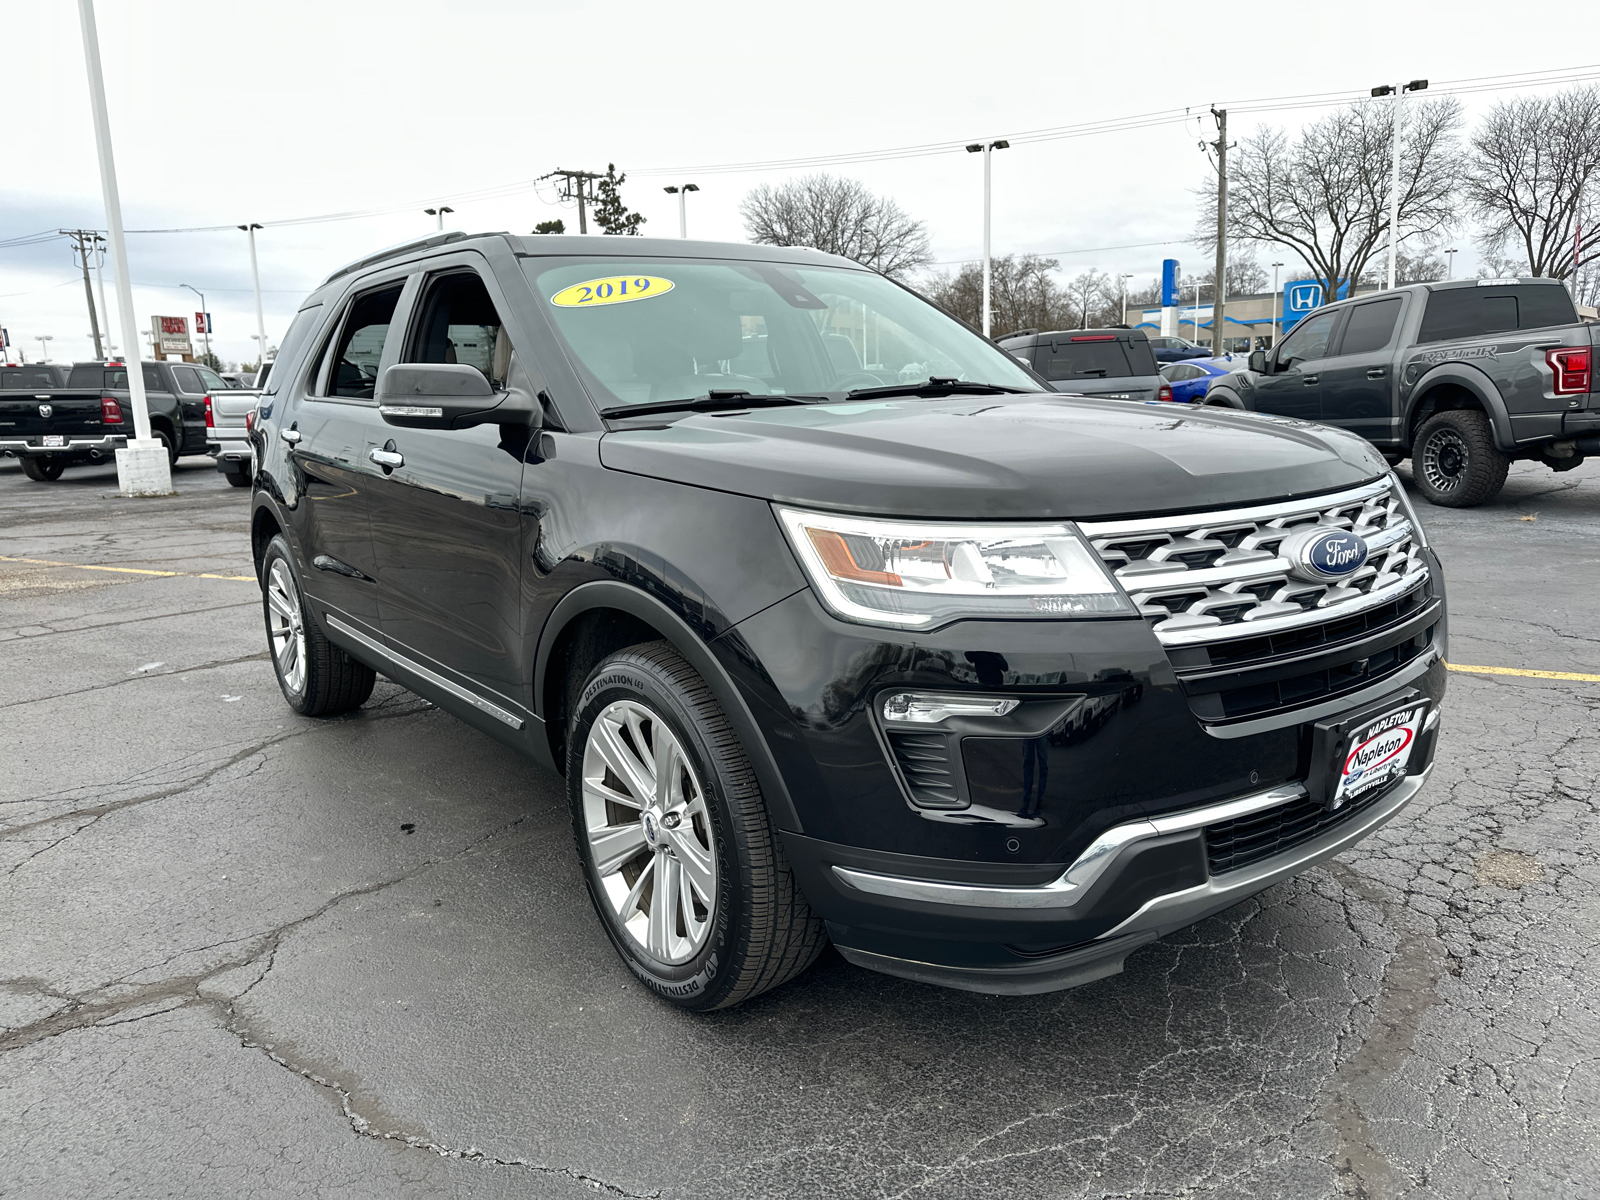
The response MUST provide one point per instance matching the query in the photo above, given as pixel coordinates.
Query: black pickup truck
(89, 418)
(1463, 378)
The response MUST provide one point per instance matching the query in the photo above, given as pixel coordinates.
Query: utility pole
(987, 149)
(579, 186)
(1220, 287)
(82, 245)
(681, 193)
(255, 277)
(142, 466)
(1397, 91)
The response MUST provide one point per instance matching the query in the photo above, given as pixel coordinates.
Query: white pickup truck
(227, 413)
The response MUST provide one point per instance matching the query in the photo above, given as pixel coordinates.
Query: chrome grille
(1209, 577)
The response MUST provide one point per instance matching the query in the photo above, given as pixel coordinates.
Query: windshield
(660, 330)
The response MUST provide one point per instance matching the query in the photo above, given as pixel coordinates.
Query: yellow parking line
(46, 562)
(1579, 676)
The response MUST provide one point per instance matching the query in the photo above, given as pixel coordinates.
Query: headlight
(916, 575)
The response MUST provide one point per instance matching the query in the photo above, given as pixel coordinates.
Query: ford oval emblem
(1325, 555)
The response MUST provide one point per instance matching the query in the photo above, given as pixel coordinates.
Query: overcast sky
(235, 111)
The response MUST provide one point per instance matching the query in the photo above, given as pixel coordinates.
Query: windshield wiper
(932, 388)
(713, 401)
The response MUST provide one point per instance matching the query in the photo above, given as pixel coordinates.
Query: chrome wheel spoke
(598, 789)
(278, 602)
(630, 902)
(697, 868)
(615, 845)
(664, 908)
(621, 759)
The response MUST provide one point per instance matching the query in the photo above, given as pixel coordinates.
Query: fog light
(926, 708)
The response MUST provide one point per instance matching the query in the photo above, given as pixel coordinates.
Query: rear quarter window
(1473, 312)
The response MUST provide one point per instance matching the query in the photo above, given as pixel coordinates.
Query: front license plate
(54, 439)
(1374, 753)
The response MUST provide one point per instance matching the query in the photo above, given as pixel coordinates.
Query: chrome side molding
(416, 668)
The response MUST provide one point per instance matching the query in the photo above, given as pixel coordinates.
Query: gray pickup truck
(1463, 378)
(228, 410)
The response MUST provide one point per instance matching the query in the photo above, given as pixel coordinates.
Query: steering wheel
(856, 379)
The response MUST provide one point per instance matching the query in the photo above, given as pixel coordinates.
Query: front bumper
(1163, 912)
(34, 447)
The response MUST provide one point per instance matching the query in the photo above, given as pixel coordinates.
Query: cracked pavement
(228, 967)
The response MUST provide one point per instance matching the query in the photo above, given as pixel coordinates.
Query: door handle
(289, 435)
(1376, 372)
(1309, 380)
(386, 458)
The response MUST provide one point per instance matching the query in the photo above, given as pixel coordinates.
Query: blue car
(1176, 349)
(1191, 378)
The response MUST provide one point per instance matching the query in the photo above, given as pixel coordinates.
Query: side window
(1370, 326)
(188, 380)
(1309, 340)
(354, 354)
(458, 323)
(152, 379)
(211, 381)
(299, 330)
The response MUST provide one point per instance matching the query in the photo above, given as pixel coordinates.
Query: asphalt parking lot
(251, 954)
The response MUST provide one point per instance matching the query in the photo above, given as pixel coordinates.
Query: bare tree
(1325, 196)
(1024, 296)
(1530, 170)
(839, 216)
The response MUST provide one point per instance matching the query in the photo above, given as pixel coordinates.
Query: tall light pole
(44, 340)
(1450, 263)
(255, 278)
(682, 193)
(1214, 350)
(1277, 311)
(1396, 91)
(986, 148)
(205, 315)
(1124, 279)
(439, 213)
(142, 466)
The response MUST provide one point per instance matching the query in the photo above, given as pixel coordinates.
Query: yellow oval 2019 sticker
(615, 289)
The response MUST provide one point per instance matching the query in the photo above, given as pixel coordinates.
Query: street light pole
(682, 194)
(987, 148)
(439, 214)
(44, 340)
(1124, 279)
(100, 286)
(1277, 300)
(205, 315)
(1396, 91)
(255, 278)
(1450, 261)
(142, 466)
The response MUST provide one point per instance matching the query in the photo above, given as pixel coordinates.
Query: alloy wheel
(286, 627)
(649, 832)
(1444, 460)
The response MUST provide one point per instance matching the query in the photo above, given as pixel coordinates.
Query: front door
(446, 526)
(1358, 381)
(332, 421)
(1293, 388)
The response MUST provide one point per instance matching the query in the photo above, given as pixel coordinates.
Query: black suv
(1115, 364)
(838, 622)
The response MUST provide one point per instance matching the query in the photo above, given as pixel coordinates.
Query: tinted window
(188, 380)
(27, 377)
(356, 353)
(1088, 360)
(1370, 326)
(459, 324)
(1471, 312)
(212, 382)
(1309, 339)
(299, 330)
(92, 375)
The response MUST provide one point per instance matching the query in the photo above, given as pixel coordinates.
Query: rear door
(1293, 388)
(446, 527)
(334, 424)
(1358, 382)
(191, 396)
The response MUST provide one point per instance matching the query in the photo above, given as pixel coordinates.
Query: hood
(998, 456)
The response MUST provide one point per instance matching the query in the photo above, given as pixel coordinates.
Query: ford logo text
(1325, 555)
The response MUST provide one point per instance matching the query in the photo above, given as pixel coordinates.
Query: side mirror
(1258, 361)
(448, 396)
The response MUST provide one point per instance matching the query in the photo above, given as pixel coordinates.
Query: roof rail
(422, 243)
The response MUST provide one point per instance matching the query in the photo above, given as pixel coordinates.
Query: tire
(42, 470)
(739, 925)
(237, 478)
(1454, 462)
(165, 438)
(317, 678)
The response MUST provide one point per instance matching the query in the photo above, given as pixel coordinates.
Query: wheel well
(263, 528)
(1439, 399)
(583, 644)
